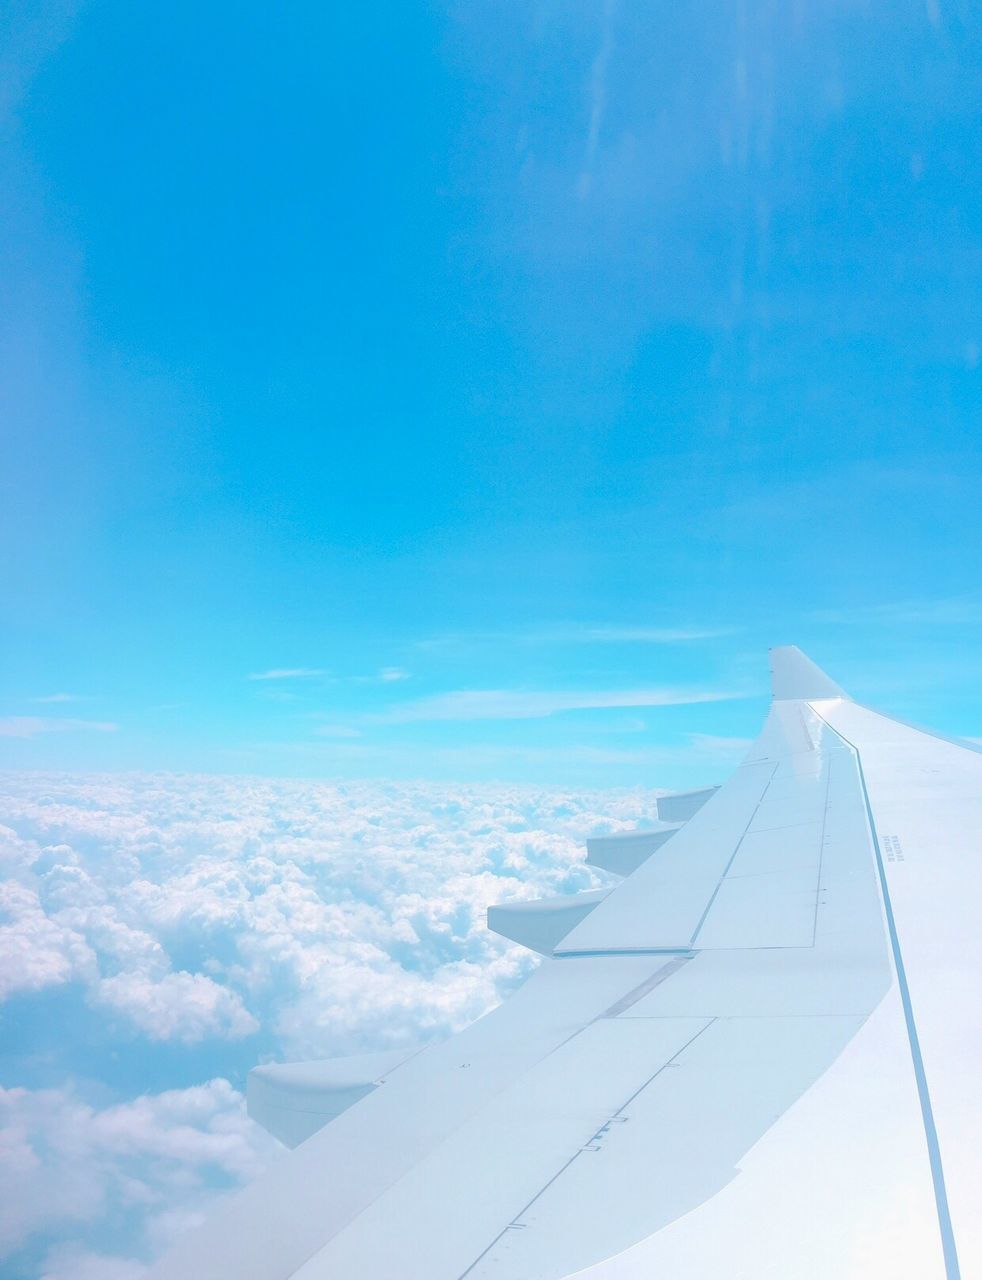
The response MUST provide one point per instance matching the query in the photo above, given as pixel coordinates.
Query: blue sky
(510, 370)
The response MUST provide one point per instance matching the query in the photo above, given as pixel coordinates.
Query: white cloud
(186, 1007)
(31, 726)
(580, 633)
(65, 1164)
(512, 704)
(951, 611)
(720, 749)
(292, 895)
(337, 731)
(190, 910)
(37, 951)
(598, 98)
(386, 675)
(653, 635)
(72, 1263)
(59, 697)
(288, 673)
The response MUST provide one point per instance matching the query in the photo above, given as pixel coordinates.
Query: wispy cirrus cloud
(32, 726)
(59, 697)
(951, 611)
(288, 673)
(385, 675)
(694, 761)
(580, 634)
(718, 747)
(533, 704)
(598, 99)
(337, 731)
(650, 635)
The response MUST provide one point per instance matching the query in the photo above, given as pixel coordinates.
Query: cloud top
(199, 925)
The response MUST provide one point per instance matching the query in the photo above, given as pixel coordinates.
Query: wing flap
(540, 923)
(293, 1100)
(277, 1223)
(492, 1167)
(677, 1143)
(623, 852)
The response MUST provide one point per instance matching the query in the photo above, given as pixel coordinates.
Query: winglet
(794, 675)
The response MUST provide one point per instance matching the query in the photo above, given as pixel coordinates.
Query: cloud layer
(227, 921)
(68, 1167)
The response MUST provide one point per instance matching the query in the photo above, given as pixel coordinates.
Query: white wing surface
(757, 1056)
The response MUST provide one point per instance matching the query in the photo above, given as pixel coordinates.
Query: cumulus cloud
(201, 907)
(179, 1006)
(36, 950)
(65, 1164)
(233, 920)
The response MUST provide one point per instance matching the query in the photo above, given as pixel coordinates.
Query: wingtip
(794, 675)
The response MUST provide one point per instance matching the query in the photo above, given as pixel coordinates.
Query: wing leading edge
(725, 1034)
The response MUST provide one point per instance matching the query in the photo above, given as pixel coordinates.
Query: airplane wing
(757, 1056)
